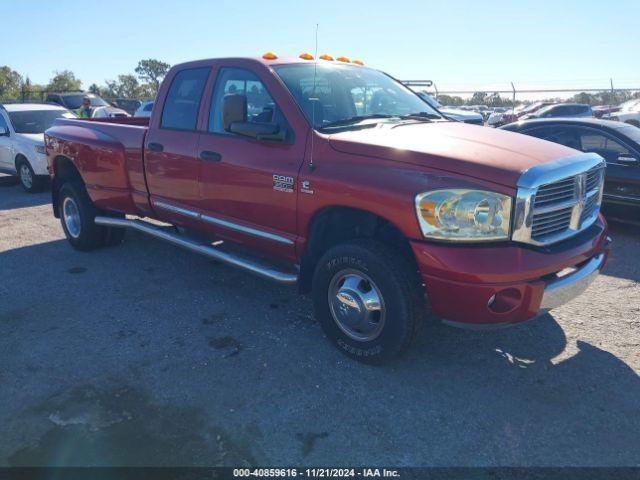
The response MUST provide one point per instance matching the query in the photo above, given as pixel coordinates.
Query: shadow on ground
(623, 261)
(120, 361)
(12, 195)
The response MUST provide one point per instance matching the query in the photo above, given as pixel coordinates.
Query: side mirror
(4, 131)
(259, 131)
(234, 120)
(234, 110)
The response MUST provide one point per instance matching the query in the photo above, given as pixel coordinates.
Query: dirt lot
(149, 355)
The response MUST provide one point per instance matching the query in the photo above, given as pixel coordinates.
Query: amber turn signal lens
(269, 56)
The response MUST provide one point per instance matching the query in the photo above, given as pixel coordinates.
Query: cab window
(181, 106)
(261, 108)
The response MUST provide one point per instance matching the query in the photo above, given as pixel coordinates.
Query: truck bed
(110, 152)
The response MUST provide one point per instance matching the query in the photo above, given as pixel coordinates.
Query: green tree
(95, 89)
(478, 98)
(64, 81)
(10, 83)
(152, 72)
(126, 86)
(450, 100)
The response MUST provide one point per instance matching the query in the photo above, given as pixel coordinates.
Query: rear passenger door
(171, 162)
(248, 186)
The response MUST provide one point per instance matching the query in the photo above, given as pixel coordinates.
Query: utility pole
(613, 92)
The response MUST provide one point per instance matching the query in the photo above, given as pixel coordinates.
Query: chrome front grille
(559, 199)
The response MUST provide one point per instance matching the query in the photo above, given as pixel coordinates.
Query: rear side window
(183, 100)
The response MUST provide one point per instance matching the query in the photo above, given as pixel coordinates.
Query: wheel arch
(64, 170)
(333, 225)
(19, 157)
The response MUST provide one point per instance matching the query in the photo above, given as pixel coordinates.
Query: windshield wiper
(358, 118)
(422, 116)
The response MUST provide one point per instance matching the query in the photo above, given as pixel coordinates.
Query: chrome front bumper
(564, 289)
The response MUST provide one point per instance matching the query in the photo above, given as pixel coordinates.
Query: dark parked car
(617, 142)
(601, 110)
(73, 100)
(127, 104)
(561, 110)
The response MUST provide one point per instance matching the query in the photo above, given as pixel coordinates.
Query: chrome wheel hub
(356, 305)
(25, 176)
(71, 217)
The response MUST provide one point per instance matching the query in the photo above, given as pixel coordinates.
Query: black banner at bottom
(287, 473)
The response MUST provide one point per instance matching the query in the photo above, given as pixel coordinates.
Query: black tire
(31, 182)
(395, 278)
(87, 236)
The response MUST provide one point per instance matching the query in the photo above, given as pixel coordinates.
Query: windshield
(344, 92)
(75, 101)
(36, 121)
(429, 99)
(546, 109)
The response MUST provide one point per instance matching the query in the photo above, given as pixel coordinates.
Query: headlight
(464, 215)
(40, 149)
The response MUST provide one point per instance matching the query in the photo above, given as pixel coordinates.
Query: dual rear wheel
(77, 215)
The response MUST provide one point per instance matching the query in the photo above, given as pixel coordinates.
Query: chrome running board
(244, 263)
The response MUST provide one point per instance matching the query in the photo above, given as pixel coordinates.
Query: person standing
(85, 110)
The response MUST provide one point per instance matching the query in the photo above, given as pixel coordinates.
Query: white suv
(22, 127)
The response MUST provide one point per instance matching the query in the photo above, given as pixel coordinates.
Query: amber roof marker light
(343, 59)
(324, 56)
(358, 62)
(306, 56)
(269, 56)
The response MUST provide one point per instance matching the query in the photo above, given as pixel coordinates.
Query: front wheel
(31, 182)
(368, 299)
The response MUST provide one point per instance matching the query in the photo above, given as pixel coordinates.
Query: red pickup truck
(337, 178)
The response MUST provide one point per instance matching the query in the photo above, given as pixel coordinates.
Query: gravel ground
(145, 354)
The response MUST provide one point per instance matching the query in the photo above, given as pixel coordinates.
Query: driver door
(248, 186)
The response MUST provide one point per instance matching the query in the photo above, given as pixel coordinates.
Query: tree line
(605, 97)
(142, 84)
(145, 81)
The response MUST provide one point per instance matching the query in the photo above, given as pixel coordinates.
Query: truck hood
(496, 156)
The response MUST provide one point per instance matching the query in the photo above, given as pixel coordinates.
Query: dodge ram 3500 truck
(335, 177)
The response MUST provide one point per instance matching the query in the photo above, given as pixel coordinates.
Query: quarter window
(183, 100)
(261, 108)
(3, 122)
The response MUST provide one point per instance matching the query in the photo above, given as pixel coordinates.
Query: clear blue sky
(457, 43)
